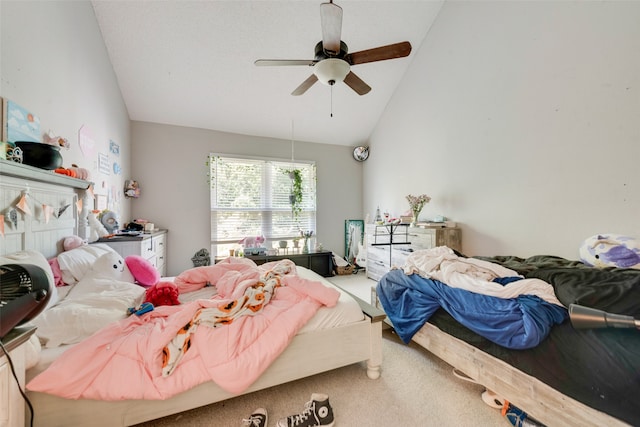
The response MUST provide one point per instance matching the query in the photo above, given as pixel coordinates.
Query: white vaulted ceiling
(191, 63)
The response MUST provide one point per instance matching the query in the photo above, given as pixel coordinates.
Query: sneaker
(257, 419)
(317, 412)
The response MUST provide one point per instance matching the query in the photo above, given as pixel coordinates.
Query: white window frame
(273, 218)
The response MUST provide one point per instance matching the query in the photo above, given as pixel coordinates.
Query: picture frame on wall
(103, 164)
(19, 124)
(3, 120)
(100, 202)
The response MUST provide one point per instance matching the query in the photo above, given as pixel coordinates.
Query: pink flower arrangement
(416, 203)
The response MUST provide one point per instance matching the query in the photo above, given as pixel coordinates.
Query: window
(251, 197)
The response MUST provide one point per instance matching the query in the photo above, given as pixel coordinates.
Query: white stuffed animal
(107, 273)
(112, 265)
(103, 295)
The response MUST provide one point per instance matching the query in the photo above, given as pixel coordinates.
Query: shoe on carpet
(257, 419)
(317, 412)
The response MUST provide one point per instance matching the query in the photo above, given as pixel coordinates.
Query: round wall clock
(361, 153)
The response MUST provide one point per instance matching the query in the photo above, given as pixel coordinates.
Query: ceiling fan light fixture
(331, 71)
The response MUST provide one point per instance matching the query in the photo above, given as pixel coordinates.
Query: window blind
(251, 197)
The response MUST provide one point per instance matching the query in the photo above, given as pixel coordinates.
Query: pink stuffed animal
(143, 271)
(252, 242)
(73, 242)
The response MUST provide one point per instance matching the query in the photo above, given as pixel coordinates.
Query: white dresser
(390, 245)
(152, 247)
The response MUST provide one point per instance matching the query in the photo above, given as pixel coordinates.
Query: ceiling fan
(332, 62)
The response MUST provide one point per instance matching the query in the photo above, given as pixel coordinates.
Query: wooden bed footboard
(536, 398)
(308, 354)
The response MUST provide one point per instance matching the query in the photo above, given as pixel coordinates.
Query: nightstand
(12, 405)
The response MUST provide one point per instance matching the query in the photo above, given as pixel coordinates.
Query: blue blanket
(515, 323)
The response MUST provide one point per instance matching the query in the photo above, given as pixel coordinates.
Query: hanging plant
(295, 198)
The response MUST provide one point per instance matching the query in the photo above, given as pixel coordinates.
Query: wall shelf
(19, 170)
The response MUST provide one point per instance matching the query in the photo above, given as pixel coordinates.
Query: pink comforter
(124, 360)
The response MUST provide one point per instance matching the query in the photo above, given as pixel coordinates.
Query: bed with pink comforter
(233, 355)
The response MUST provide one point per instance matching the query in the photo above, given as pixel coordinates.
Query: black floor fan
(24, 293)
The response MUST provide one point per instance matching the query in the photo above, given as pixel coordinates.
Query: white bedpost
(83, 221)
(375, 361)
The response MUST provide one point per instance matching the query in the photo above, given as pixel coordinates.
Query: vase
(305, 247)
(414, 221)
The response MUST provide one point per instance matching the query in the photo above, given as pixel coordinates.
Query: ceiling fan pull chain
(331, 88)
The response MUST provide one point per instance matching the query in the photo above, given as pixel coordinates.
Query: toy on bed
(143, 271)
(68, 244)
(611, 250)
(158, 293)
(163, 293)
(102, 296)
(73, 242)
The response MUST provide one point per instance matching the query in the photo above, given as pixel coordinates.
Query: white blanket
(474, 275)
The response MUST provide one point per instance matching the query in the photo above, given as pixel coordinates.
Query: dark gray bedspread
(598, 367)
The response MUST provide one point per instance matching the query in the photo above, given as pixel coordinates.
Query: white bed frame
(308, 354)
(534, 397)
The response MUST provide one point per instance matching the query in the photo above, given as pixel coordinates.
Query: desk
(320, 262)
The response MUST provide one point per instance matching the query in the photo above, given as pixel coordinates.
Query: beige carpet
(415, 389)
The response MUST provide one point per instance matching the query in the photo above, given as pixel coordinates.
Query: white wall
(54, 63)
(169, 164)
(522, 121)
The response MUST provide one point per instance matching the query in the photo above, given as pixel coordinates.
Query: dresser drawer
(147, 250)
(375, 272)
(422, 239)
(399, 256)
(159, 244)
(378, 254)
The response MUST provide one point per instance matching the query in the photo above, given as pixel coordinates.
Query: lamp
(586, 317)
(331, 71)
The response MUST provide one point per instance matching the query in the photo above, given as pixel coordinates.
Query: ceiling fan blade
(331, 21)
(305, 85)
(396, 50)
(284, 62)
(356, 83)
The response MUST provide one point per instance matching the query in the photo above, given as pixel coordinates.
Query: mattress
(597, 367)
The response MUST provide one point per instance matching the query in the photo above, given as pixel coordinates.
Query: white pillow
(74, 264)
(104, 295)
(37, 259)
(81, 314)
